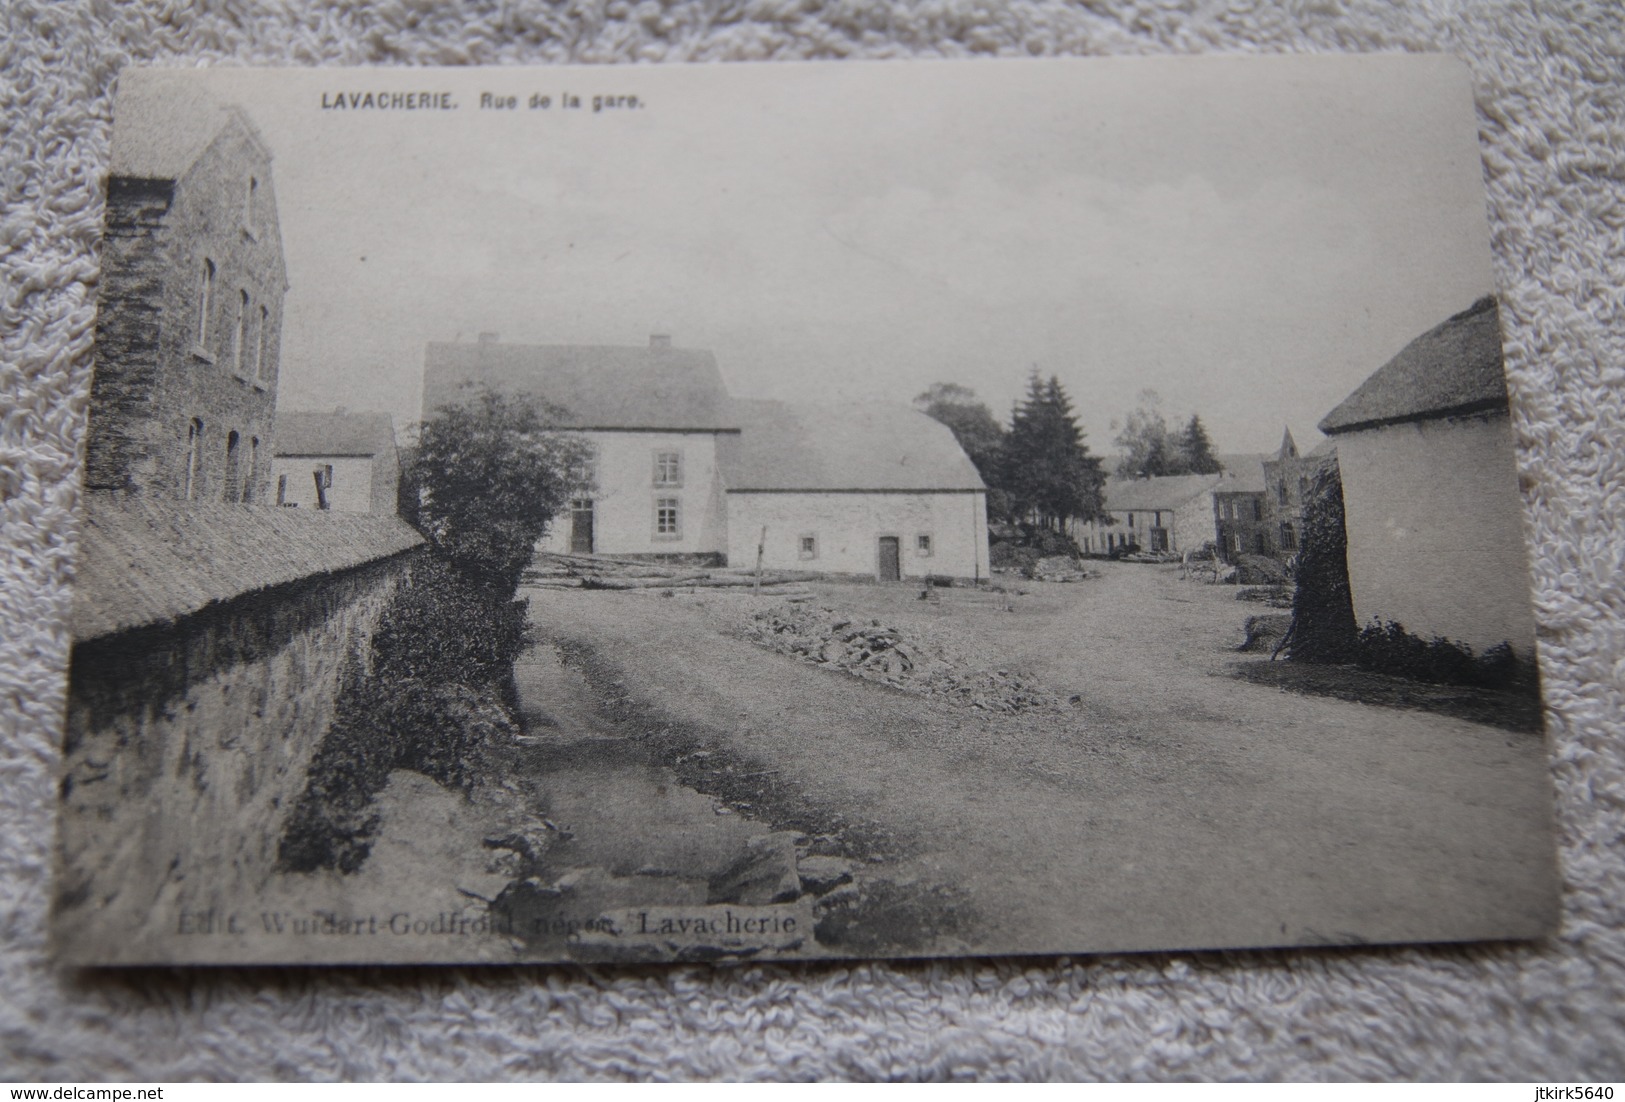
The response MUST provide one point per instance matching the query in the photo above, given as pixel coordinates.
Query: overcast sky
(1251, 237)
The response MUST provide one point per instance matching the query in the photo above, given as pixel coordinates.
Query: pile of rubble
(1057, 568)
(877, 652)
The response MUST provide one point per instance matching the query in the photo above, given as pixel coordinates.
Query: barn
(1430, 490)
(880, 489)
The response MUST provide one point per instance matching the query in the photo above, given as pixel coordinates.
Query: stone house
(1176, 513)
(1435, 524)
(1288, 480)
(1240, 523)
(341, 460)
(188, 329)
(684, 469)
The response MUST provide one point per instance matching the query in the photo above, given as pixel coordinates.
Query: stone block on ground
(765, 873)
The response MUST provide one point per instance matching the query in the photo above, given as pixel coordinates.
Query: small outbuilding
(341, 460)
(1430, 490)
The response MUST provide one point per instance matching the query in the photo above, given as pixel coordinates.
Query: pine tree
(1046, 468)
(1196, 450)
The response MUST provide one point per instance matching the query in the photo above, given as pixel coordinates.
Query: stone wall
(187, 744)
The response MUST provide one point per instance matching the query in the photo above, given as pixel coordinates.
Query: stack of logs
(560, 571)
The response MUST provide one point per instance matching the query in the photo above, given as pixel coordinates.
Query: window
(260, 337)
(809, 546)
(668, 468)
(1289, 538)
(253, 462)
(205, 303)
(1258, 508)
(922, 545)
(233, 458)
(668, 520)
(250, 202)
(1282, 493)
(239, 333)
(194, 459)
(1131, 520)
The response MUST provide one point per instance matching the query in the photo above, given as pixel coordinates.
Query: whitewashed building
(881, 490)
(339, 460)
(684, 469)
(1430, 490)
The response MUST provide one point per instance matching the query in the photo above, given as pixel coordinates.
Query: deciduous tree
(485, 476)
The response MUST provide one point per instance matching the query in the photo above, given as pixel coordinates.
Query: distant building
(682, 468)
(1430, 490)
(188, 329)
(336, 460)
(1179, 513)
(1288, 480)
(1240, 517)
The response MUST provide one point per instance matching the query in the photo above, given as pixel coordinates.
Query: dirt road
(1175, 806)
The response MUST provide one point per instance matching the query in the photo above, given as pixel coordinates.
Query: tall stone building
(188, 329)
(1288, 480)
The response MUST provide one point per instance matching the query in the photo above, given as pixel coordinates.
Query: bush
(433, 700)
(440, 627)
(1323, 626)
(1386, 647)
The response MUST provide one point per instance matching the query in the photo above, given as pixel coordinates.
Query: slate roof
(147, 560)
(1243, 472)
(336, 432)
(1163, 492)
(797, 448)
(1453, 368)
(162, 125)
(599, 386)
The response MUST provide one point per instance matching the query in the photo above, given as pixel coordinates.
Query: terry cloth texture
(1550, 85)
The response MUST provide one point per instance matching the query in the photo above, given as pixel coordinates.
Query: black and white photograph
(798, 511)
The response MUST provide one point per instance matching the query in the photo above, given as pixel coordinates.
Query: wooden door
(581, 527)
(891, 559)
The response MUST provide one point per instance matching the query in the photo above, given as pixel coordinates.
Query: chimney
(659, 342)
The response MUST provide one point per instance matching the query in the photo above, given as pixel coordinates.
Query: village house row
(184, 408)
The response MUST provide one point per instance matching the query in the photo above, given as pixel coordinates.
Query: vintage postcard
(799, 511)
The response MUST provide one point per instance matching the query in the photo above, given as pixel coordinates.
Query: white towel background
(1550, 81)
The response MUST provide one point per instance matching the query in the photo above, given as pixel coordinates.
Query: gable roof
(1157, 492)
(161, 126)
(1454, 368)
(147, 560)
(338, 432)
(598, 386)
(798, 448)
